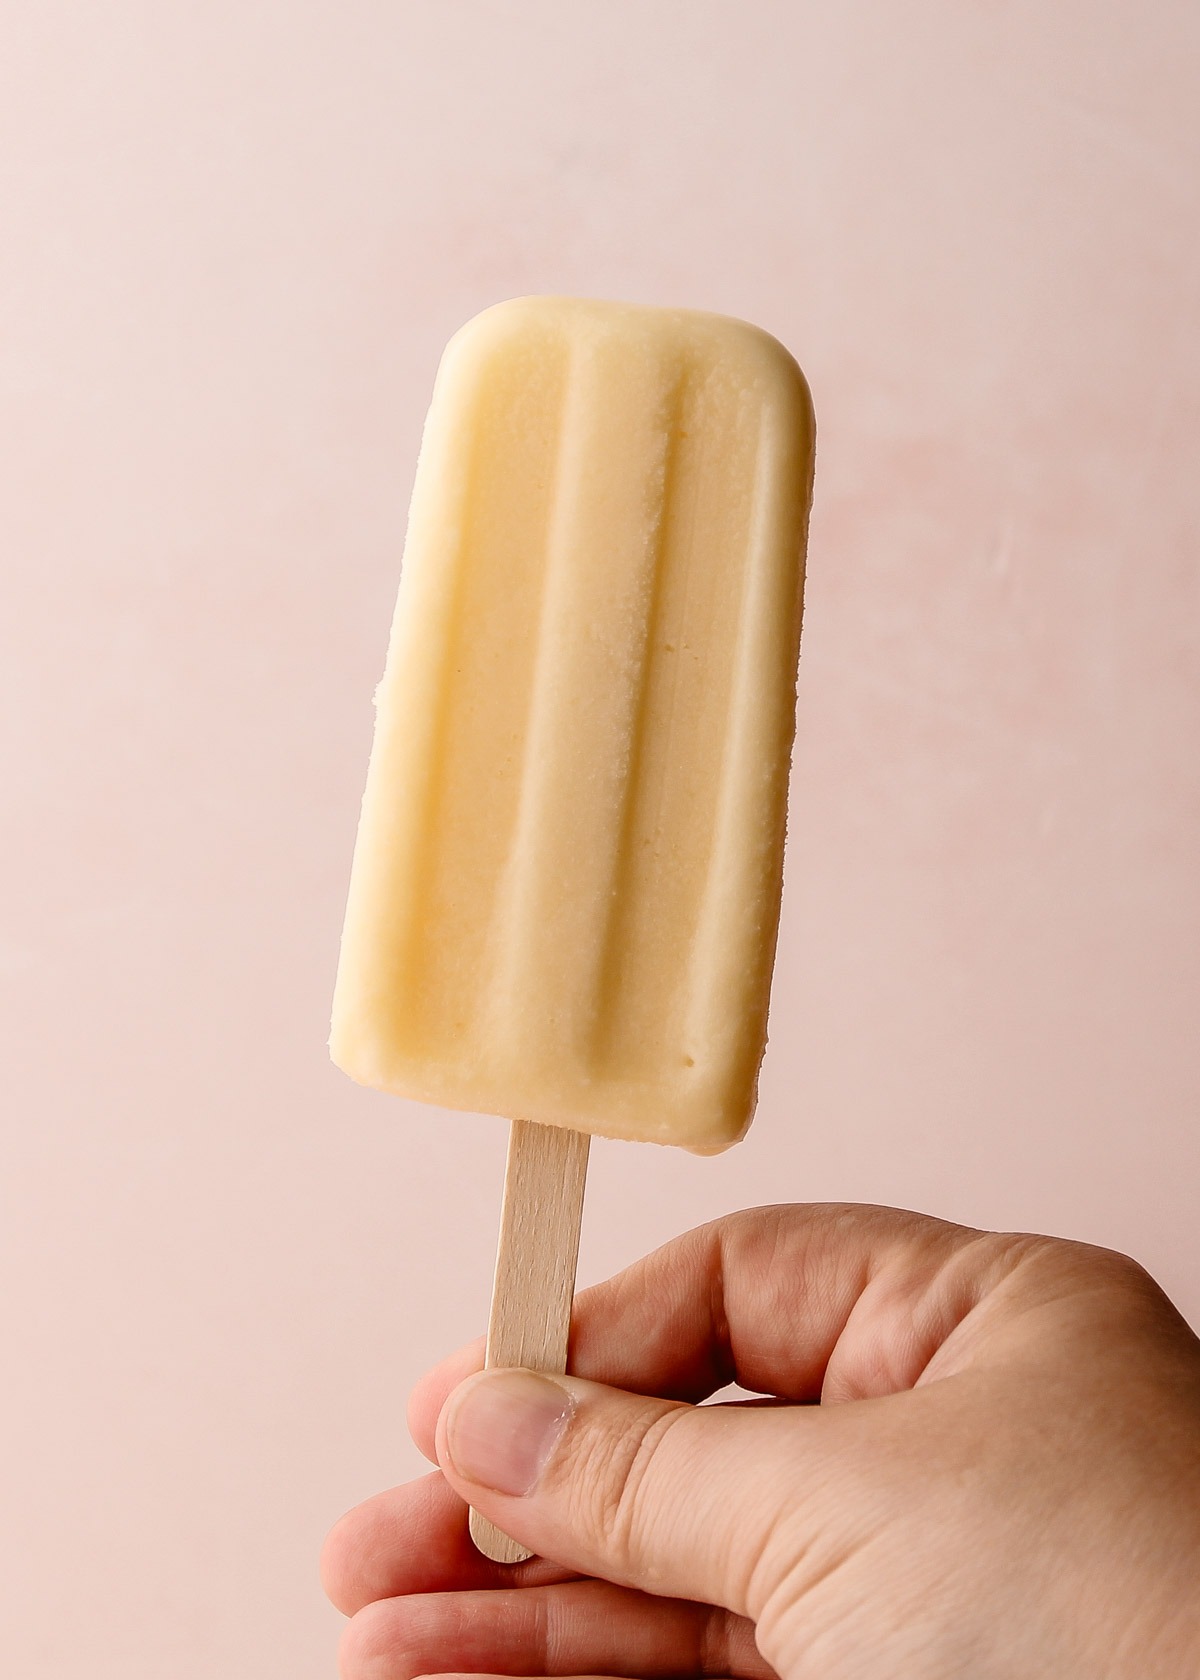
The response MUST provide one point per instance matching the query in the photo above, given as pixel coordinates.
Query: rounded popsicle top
(528, 321)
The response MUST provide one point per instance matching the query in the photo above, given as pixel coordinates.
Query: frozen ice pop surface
(566, 885)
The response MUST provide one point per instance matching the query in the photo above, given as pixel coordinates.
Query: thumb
(696, 1502)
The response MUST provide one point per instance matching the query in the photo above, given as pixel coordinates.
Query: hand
(1002, 1478)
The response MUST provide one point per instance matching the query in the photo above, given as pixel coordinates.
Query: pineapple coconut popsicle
(565, 890)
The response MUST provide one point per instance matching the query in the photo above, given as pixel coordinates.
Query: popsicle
(566, 885)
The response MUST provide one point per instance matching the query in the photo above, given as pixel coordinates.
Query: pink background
(236, 236)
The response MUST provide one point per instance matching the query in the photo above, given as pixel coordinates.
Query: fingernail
(502, 1426)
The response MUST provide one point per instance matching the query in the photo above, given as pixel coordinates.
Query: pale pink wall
(235, 237)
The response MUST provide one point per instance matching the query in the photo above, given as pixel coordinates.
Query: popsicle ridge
(617, 932)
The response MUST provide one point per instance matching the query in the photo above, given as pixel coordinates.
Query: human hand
(1002, 1478)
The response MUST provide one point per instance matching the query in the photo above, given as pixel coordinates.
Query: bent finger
(585, 1626)
(844, 1301)
(413, 1539)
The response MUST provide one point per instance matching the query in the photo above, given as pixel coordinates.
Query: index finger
(801, 1302)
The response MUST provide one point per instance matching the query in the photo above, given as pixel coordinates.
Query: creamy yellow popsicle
(566, 886)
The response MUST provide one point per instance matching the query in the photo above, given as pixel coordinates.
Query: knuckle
(1079, 1266)
(345, 1563)
(623, 1468)
(367, 1639)
(394, 1637)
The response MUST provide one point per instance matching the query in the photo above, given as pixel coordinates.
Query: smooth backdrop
(233, 239)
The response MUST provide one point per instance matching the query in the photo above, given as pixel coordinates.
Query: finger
(413, 1539)
(585, 1626)
(802, 1302)
(430, 1391)
(682, 1501)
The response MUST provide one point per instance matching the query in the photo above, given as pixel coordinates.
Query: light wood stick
(535, 1270)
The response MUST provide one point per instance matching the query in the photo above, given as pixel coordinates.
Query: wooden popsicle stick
(535, 1270)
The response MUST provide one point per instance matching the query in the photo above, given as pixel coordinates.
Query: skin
(1001, 1478)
